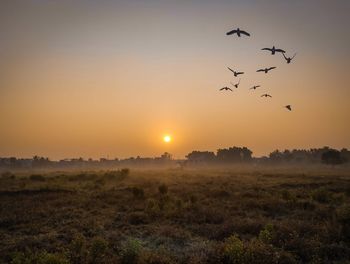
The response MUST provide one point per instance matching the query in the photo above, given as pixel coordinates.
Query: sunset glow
(167, 139)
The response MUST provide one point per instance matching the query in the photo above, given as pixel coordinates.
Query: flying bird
(266, 70)
(288, 59)
(238, 32)
(266, 95)
(236, 85)
(254, 87)
(226, 88)
(274, 50)
(289, 107)
(235, 73)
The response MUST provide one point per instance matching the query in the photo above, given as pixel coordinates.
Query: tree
(332, 157)
(201, 156)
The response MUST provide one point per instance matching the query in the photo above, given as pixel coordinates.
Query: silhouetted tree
(201, 156)
(332, 157)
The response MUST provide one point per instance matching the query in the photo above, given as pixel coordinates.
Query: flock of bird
(273, 51)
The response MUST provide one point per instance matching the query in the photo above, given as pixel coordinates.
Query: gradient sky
(110, 78)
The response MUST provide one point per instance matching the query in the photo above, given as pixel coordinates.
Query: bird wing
(229, 89)
(293, 55)
(239, 73)
(284, 56)
(257, 86)
(245, 33)
(223, 88)
(266, 49)
(263, 95)
(269, 95)
(271, 68)
(231, 69)
(280, 50)
(261, 70)
(289, 107)
(231, 32)
(239, 81)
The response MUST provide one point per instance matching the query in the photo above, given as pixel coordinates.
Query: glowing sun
(167, 139)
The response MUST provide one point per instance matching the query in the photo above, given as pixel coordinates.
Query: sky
(111, 78)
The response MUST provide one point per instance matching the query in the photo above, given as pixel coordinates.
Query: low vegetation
(176, 216)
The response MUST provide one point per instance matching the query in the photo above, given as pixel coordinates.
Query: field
(213, 215)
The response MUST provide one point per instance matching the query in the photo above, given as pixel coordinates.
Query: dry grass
(176, 216)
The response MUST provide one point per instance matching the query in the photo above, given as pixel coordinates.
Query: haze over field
(98, 78)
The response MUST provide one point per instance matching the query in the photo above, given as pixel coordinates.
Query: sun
(167, 138)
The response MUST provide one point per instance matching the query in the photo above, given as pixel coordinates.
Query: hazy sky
(110, 78)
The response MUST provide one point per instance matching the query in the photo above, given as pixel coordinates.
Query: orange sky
(111, 78)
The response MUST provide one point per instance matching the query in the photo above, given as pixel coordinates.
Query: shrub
(137, 218)
(258, 252)
(234, 249)
(125, 172)
(152, 207)
(116, 174)
(321, 195)
(151, 257)
(7, 175)
(37, 177)
(39, 258)
(98, 250)
(163, 189)
(267, 234)
(77, 250)
(343, 216)
(138, 192)
(130, 251)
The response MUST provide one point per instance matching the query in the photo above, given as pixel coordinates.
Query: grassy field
(233, 215)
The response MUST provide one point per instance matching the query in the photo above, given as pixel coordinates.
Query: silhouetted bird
(266, 70)
(238, 32)
(235, 73)
(288, 59)
(236, 85)
(254, 87)
(289, 107)
(226, 88)
(266, 95)
(274, 50)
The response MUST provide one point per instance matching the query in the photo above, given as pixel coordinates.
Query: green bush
(267, 234)
(130, 251)
(98, 250)
(234, 249)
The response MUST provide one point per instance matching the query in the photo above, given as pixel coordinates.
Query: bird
(266, 70)
(238, 32)
(236, 85)
(288, 59)
(254, 87)
(274, 50)
(235, 73)
(226, 88)
(289, 107)
(266, 95)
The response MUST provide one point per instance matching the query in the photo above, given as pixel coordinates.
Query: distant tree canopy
(233, 154)
(201, 156)
(325, 155)
(332, 157)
